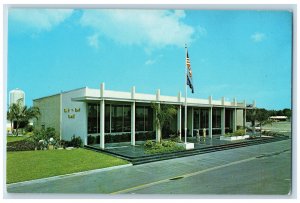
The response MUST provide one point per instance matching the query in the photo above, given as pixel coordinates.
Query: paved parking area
(258, 169)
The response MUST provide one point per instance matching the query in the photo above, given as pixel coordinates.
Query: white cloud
(93, 41)
(150, 28)
(202, 31)
(152, 61)
(39, 19)
(258, 37)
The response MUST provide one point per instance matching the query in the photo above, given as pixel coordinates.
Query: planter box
(234, 137)
(186, 145)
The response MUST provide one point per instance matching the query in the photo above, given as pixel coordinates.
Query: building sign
(71, 116)
(71, 110)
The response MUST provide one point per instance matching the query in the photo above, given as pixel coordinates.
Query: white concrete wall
(118, 95)
(74, 126)
(50, 113)
(240, 117)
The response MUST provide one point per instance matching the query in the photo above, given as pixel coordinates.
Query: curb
(41, 180)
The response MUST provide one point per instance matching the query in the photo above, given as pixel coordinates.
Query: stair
(178, 154)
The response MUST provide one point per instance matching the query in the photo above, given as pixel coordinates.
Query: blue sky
(242, 54)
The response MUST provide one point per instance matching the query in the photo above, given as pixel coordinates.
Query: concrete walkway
(258, 169)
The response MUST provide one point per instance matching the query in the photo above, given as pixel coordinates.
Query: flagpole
(185, 107)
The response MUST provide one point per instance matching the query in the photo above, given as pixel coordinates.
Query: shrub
(163, 147)
(22, 145)
(76, 141)
(41, 138)
(157, 146)
(29, 133)
(168, 143)
(28, 128)
(149, 144)
(239, 132)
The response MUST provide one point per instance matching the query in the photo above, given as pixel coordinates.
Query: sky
(245, 55)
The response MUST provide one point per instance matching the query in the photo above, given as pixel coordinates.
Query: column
(158, 130)
(192, 122)
(133, 123)
(234, 120)
(102, 119)
(244, 121)
(210, 122)
(102, 113)
(179, 121)
(133, 116)
(223, 121)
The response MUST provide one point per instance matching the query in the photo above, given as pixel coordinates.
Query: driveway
(256, 170)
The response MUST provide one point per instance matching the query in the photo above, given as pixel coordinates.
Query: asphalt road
(255, 170)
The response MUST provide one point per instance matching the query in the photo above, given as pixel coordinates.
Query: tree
(287, 113)
(259, 115)
(10, 117)
(163, 114)
(250, 116)
(19, 113)
(262, 117)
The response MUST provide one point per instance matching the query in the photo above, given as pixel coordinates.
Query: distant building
(15, 95)
(278, 118)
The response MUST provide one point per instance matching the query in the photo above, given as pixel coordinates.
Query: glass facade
(143, 118)
(93, 118)
(228, 120)
(107, 118)
(126, 119)
(139, 119)
(216, 118)
(201, 120)
(120, 118)
(204, 118)
(196, 119)
(118, 122)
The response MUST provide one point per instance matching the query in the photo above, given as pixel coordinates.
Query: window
(126, 119)
(116, 118)
(93, 118)
(143, 118)
(107, 118)
(203, 118)
(228, 118)
(148, 119)
(216, 118)
(196, 119)
(139, 119)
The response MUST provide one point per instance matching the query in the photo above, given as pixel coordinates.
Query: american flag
(188, 64)
(189, 81)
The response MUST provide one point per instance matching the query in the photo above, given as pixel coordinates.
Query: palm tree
(163, 114)
(262, 116)
(10, 117)
(251, 114)
(259, 115)
(19, 113)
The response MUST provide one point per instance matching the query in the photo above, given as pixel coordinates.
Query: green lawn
(15, 138)
(29, 165)
(278, 126)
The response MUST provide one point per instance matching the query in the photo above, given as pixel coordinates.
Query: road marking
(185, 176)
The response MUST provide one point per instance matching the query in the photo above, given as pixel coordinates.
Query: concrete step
(178, 154)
